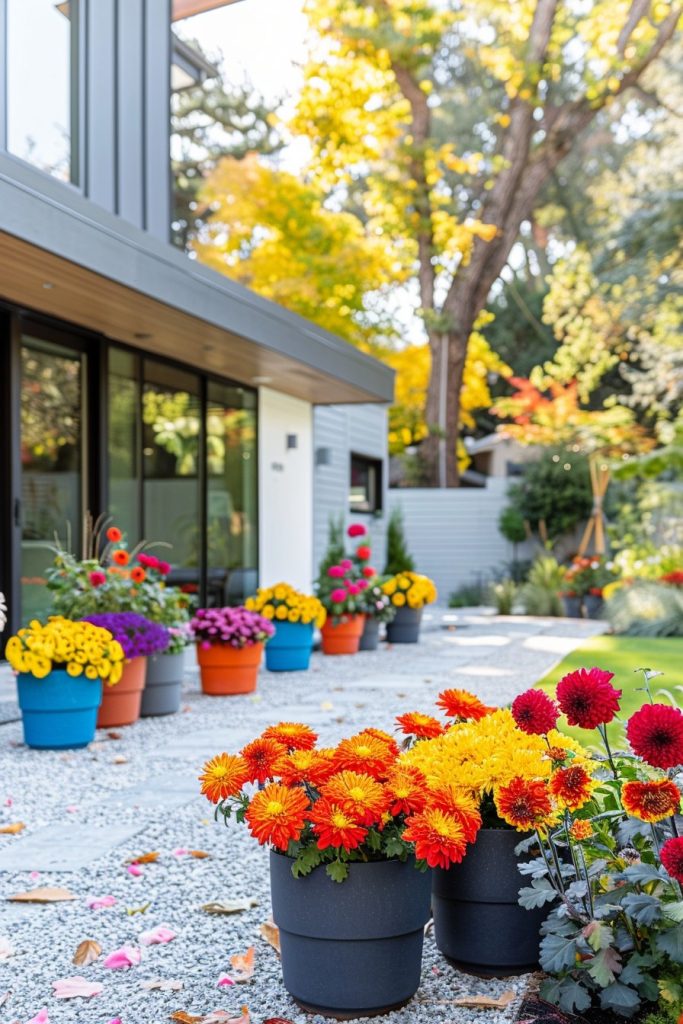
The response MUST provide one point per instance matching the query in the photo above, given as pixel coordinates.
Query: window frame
(375, 502)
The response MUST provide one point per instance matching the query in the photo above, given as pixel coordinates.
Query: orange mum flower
(383, 737)
(263, 756)
(414, 723)
(359, 796)
(334, 827)
(558, 754)
(572, 787)
(453, 801)
(406, 788)
(651, 801)
(524, 804)
(462, 704)
(223, 776)
(121, 557)
(277, 815)
(364, 753)
(438, 837)
(114, 534)
(581, 829)
(312, 766)
(138, 574)
(294, 735)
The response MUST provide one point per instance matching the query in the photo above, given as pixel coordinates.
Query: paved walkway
(135, 792)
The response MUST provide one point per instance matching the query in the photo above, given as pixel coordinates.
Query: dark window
(365, 494)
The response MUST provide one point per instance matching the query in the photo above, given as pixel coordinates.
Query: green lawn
(623, 655)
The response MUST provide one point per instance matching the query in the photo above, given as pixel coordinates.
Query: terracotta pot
(342, 636)
(121, 702)
(226, 670)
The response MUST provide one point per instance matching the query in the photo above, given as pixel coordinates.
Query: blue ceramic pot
(59, 712)
(289, 650)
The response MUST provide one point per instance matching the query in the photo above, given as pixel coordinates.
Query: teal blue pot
(289, 650)
(58, 712)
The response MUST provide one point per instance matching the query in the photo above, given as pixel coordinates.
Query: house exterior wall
(343, 430)
(285, 490)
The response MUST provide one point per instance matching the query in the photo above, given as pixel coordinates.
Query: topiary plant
(556, 491)
(399, 558)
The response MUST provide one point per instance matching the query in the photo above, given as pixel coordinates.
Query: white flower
(3, 612)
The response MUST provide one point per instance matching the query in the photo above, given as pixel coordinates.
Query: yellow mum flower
(74, 669)
(281, 612)
(399, 599)
(91, 672)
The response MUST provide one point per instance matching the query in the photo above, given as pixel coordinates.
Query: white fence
(453, 534)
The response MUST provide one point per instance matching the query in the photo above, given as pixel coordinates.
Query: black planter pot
(405, 627)
(369, 640)
(352, 949)
(572, 607)
(592, 604)
(163, 684)
(478, 924)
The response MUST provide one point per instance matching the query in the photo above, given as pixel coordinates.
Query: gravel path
(87, 812)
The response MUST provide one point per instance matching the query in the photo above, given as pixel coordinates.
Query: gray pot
(572, 607)
(405, 627)
(351, 949)
(593, 606)
(369, 640)
(163, 684)
(478, 924)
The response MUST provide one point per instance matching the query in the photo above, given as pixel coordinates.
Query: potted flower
(486, 760)
(61, 666)
(346, 829)
(611, 868)
(139, 639)
(229, 648)
(585, 580)
(373, 602)
(340, 592)
(294, 616)
(409, 593)
(170, 607)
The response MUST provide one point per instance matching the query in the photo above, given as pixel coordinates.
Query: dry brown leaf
(119, 759)
(185, 1018)
(87, 952)
(486, 1002)
(144, 858)
(243, 965)
(271, 933)
(114, 734)
(163, 984)
(43, 894)
(199, 854)
(278, 1020)
(12, 830)
(230, 906)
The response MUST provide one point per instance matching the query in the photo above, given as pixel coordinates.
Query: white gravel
(140, 789)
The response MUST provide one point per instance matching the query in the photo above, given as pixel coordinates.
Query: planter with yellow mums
(409, 592)
(294, 616)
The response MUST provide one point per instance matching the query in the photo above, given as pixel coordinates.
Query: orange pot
(226, 670)
(343, 636)
(121, 702)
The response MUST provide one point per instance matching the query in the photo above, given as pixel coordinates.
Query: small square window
(365, 493)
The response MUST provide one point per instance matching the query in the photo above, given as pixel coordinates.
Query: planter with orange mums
(229, 648)
(346, 827)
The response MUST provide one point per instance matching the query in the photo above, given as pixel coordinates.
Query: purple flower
(235, 626)
(136, 634)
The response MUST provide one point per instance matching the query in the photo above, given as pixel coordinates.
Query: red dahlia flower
(651, 801)
(369, 571)
(356, 530)
(587, 698)
(572, 786)
(655, 733)
(535, 712)
(97, 578)
(364, 552)
(672, 857)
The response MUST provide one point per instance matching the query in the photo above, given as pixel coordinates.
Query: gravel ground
(87, 812)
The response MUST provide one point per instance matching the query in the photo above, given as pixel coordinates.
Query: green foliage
(540, 595)
(399, 558)
(646, 608)
(511, 524)
(553, 494)
(469, 595)
(335, 547)
(503, 595)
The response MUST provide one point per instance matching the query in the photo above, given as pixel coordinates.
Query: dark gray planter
(352, 949)
(163, 684)
(369, 640)
(478, 924)
(572, 607)
(593, 606)
(405, 628)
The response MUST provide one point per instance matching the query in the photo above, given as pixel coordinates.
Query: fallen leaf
(223, 1017)
(185, 1018)
(119, 759)
(125, 956)
(99, 902)
(486, 1002)
(5, 996)
(12, 830)
(6, 948)
(138, 910)
(163, 984)
(271, 933)
(87, 952)
(243, 965)
(199, 854)
(231, 906)
(113, 734)
(157, 936)
(278, 1020)
(72, 988)
(44, 894)
(144, 858)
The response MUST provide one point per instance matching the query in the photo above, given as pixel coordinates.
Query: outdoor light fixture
(323, 456)
(292, 441)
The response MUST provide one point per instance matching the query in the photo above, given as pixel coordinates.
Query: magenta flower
(338, 596)
(97, 578)
(356, 530)
(335, 571)
(346, 564)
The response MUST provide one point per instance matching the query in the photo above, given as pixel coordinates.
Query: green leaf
(641, 874)
(557, 953)
(306, 860)
(642, 908)
(620, 998)
(373, 839)
(674, 911)
(671, 943)
(598, 935)
(394, 847)
(337, 871)
(604, 966)
(537, 894)
(572, 996)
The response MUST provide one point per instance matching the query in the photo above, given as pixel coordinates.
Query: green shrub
(399, 558)
(561, 498)
(503, 595)
(511, 524)
(469, 595)
(334, 551)
(541, 593)
(646, 608)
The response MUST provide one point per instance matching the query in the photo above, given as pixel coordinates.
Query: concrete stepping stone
(63, 847)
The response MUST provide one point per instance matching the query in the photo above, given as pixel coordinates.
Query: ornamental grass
(79, 648)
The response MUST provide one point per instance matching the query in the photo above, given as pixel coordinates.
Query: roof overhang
(66, 257)
(188, 8)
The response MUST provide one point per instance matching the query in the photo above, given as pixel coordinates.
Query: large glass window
(124, 441)
(42, 76)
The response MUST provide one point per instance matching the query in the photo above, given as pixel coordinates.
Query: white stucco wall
(285, 490)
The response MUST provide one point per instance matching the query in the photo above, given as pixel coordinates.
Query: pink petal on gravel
(115, 1020)
(126, 956)
(156, 936)
(225, 980)
(71, 809)
(71, 988)
(40, 1018)
(98, 902)
(34, 875)
(134, 869)
(180, 852)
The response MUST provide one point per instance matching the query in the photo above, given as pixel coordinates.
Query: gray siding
(343, 429)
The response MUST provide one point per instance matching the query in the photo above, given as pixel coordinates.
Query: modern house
(133, 380)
